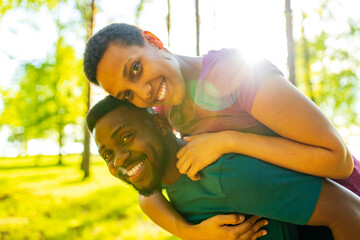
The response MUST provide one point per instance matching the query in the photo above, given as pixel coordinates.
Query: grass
(42, 200)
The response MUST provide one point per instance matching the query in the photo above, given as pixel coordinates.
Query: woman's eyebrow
(125, 67)
(118, 95)
(124, 75)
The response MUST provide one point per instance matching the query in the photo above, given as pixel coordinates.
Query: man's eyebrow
(101, 148)
(116, 131)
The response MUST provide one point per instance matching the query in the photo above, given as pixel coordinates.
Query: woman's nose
(143, 91)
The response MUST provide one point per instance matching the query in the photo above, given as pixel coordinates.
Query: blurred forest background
(53, 185)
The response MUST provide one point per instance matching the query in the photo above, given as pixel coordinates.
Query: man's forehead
(107, 130)
(112, 123)
(123, 116)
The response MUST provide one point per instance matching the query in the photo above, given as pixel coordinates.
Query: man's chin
(148, 191)
(151, 182)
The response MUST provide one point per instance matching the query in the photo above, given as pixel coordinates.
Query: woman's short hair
(121, 34)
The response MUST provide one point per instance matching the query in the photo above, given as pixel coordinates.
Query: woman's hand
(228, 227)
(201, 151)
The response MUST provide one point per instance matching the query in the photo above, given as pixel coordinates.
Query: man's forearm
(163, 214)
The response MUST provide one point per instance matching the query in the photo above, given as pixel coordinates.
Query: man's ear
(160, 124)
(152, 39)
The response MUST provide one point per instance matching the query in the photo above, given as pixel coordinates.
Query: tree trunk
(306, 65)
(85, 164)
(60, 128)
(168, 22)
(290, 42)
(214, 16)
(197, 27)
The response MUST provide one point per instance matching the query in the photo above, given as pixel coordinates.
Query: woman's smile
(161, 92)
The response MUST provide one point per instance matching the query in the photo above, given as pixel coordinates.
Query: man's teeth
(162, 91)
(134, 169)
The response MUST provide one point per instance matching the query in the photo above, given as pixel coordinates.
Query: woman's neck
(190, 67)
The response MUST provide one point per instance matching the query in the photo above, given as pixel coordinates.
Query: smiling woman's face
(141, 75)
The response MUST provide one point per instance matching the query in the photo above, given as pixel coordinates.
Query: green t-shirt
(241, 184)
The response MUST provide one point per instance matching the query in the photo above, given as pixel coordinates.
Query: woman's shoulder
(221, 57)
(231, 67)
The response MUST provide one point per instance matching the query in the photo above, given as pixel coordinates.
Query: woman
(223, 104)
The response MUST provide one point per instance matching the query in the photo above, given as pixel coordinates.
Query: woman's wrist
(229, 141)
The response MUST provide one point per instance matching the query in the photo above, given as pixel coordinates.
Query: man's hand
(202, 150)
(228, 227)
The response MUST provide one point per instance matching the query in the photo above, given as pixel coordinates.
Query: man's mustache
(122, 172)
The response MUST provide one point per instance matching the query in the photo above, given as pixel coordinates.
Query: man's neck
(172, 174)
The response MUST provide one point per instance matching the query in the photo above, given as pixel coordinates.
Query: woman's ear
(152, 39)
(160, 124)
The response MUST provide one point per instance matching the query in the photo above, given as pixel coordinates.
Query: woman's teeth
(134, 169)
(162, 91)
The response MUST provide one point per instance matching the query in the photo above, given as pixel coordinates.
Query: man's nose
(121, 156)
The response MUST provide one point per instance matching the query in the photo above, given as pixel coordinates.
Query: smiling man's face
(132, 147)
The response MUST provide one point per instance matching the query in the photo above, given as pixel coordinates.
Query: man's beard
(155, 184)
(157, 171)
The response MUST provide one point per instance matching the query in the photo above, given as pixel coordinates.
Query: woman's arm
(309, 142)
(163, 214)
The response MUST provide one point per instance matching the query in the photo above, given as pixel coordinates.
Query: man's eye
(136, 69)
(107, 155)
(127, 138)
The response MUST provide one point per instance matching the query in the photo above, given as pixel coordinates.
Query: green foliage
(48, 97)
(85, 9)
(7, 5)
(52, 202)
(327, 70)
(139, 9)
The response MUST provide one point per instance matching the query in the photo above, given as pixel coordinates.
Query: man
(139, 149)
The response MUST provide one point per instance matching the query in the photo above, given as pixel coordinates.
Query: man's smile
(134, 170)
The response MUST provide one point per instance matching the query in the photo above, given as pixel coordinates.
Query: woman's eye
(127, 138)
(127, 95)
(136, 69)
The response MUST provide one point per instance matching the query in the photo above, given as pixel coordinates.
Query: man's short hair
(117, 33)
(107, 105)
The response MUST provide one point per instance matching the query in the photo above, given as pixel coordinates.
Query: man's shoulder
(251, 173)
(233, 161)
(260, 188)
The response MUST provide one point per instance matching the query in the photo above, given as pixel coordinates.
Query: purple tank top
(222, 104)
(353, 182)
